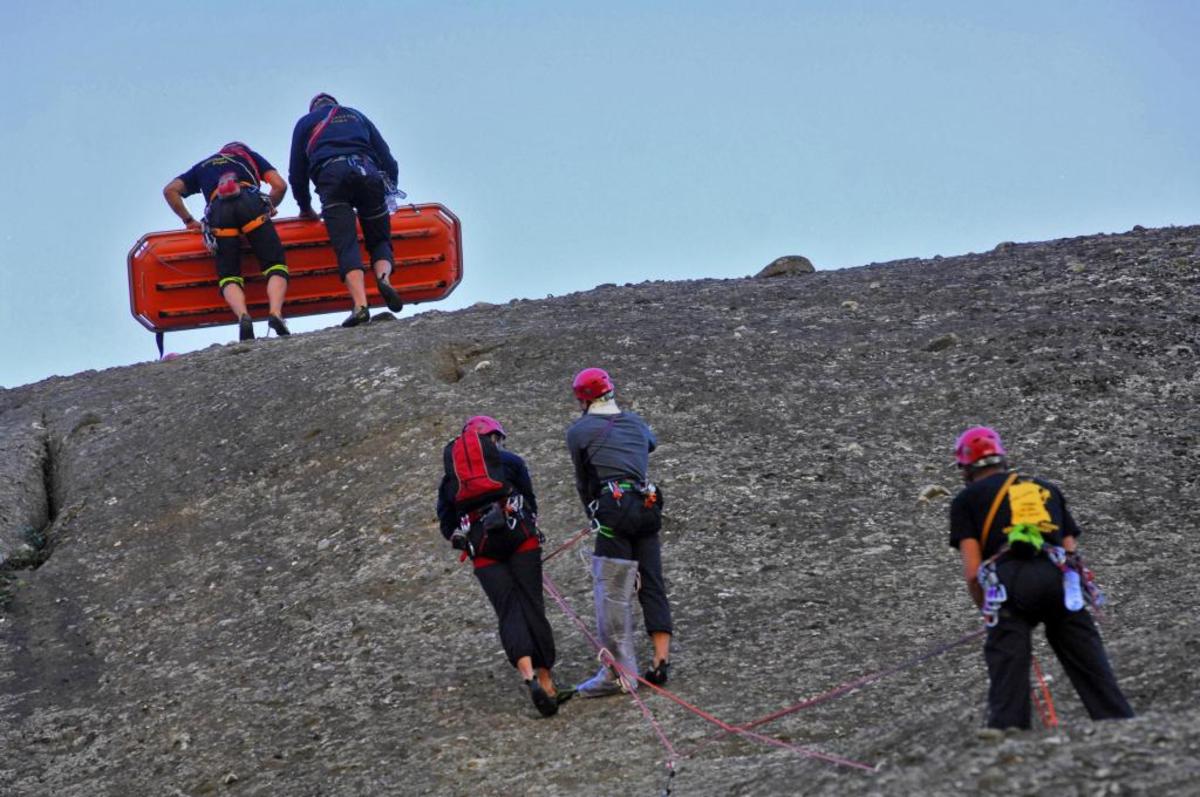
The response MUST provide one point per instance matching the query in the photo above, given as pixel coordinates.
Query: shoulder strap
(319, 128)
(598, 437)
(991, 515)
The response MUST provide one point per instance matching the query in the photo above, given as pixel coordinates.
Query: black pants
(348, 186)
(1035, 596)
(647, 552)
(264, 240)
(514, 587)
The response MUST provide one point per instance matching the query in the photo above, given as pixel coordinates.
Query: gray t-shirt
(607, 447)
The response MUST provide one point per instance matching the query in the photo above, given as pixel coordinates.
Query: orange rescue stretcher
(173, 278)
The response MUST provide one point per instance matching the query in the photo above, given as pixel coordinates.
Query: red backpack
(476, 473)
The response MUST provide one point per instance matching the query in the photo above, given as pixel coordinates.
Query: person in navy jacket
(345, 157)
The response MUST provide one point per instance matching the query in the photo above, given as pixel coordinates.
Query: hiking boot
(547, 705)
(361, 315)
(389, 294)
(245, 328)
(659, 673)
(276, 323)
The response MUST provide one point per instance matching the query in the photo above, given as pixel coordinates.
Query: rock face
(787, 266)
(242, 588)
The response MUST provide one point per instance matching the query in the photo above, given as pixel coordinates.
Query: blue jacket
(349, 132)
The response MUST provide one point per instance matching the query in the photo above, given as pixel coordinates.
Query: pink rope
(570, 542)
(554, 593)
(850, 686)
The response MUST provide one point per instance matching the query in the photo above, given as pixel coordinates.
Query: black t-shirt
(1036, 500)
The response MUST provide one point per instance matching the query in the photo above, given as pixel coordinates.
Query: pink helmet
(976, 444)
(484, 424)
(591, 384)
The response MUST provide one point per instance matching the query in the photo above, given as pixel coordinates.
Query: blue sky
(590, 143)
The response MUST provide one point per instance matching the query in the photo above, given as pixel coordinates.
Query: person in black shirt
(610, 451)
(234, 207)
(511, 576)
(1017, 540)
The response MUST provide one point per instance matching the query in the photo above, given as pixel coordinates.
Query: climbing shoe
(547, 705)
(563, 695)
(659, 673)
(602, 684)
(389, 294)
(245, 328)
(276, 323)
(361, 315)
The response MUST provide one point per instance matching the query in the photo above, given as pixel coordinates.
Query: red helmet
(591, 384)
(484, 424)
(976, 444)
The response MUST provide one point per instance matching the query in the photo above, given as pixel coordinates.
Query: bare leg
(662, 647)
(235, 297)
(276, 290)
(525, 667)
(383, 270)
(546, 680)
(357, 288)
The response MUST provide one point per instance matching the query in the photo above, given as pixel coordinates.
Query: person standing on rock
(487, 509)
(1017, 541)
(350, 164)
(610, 451)
(234, 208)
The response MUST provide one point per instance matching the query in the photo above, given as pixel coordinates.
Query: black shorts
(351, 187)
(264, 240)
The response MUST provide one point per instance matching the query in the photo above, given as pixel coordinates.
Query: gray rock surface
(242, 589)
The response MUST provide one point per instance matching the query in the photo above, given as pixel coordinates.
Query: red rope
(572, 541)
(552, 590)
(1044, 703)
(850, 686)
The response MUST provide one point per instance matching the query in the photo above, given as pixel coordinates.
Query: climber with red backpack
(610, 450)
(1017, 541)
(487, 510)
(235, 208)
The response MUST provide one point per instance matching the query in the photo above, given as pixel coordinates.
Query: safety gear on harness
(979, 447)
(613, 583)
(591, 384)
(495, 530)
(228, 186)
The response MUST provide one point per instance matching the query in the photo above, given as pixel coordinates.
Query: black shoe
(361, 315)
(276, 323)
(245, 328)
(547, 705)
(658, 674)
(389, 294)
(563, 695)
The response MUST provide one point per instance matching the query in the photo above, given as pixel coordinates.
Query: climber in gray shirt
(610, 450)
(608, 446)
